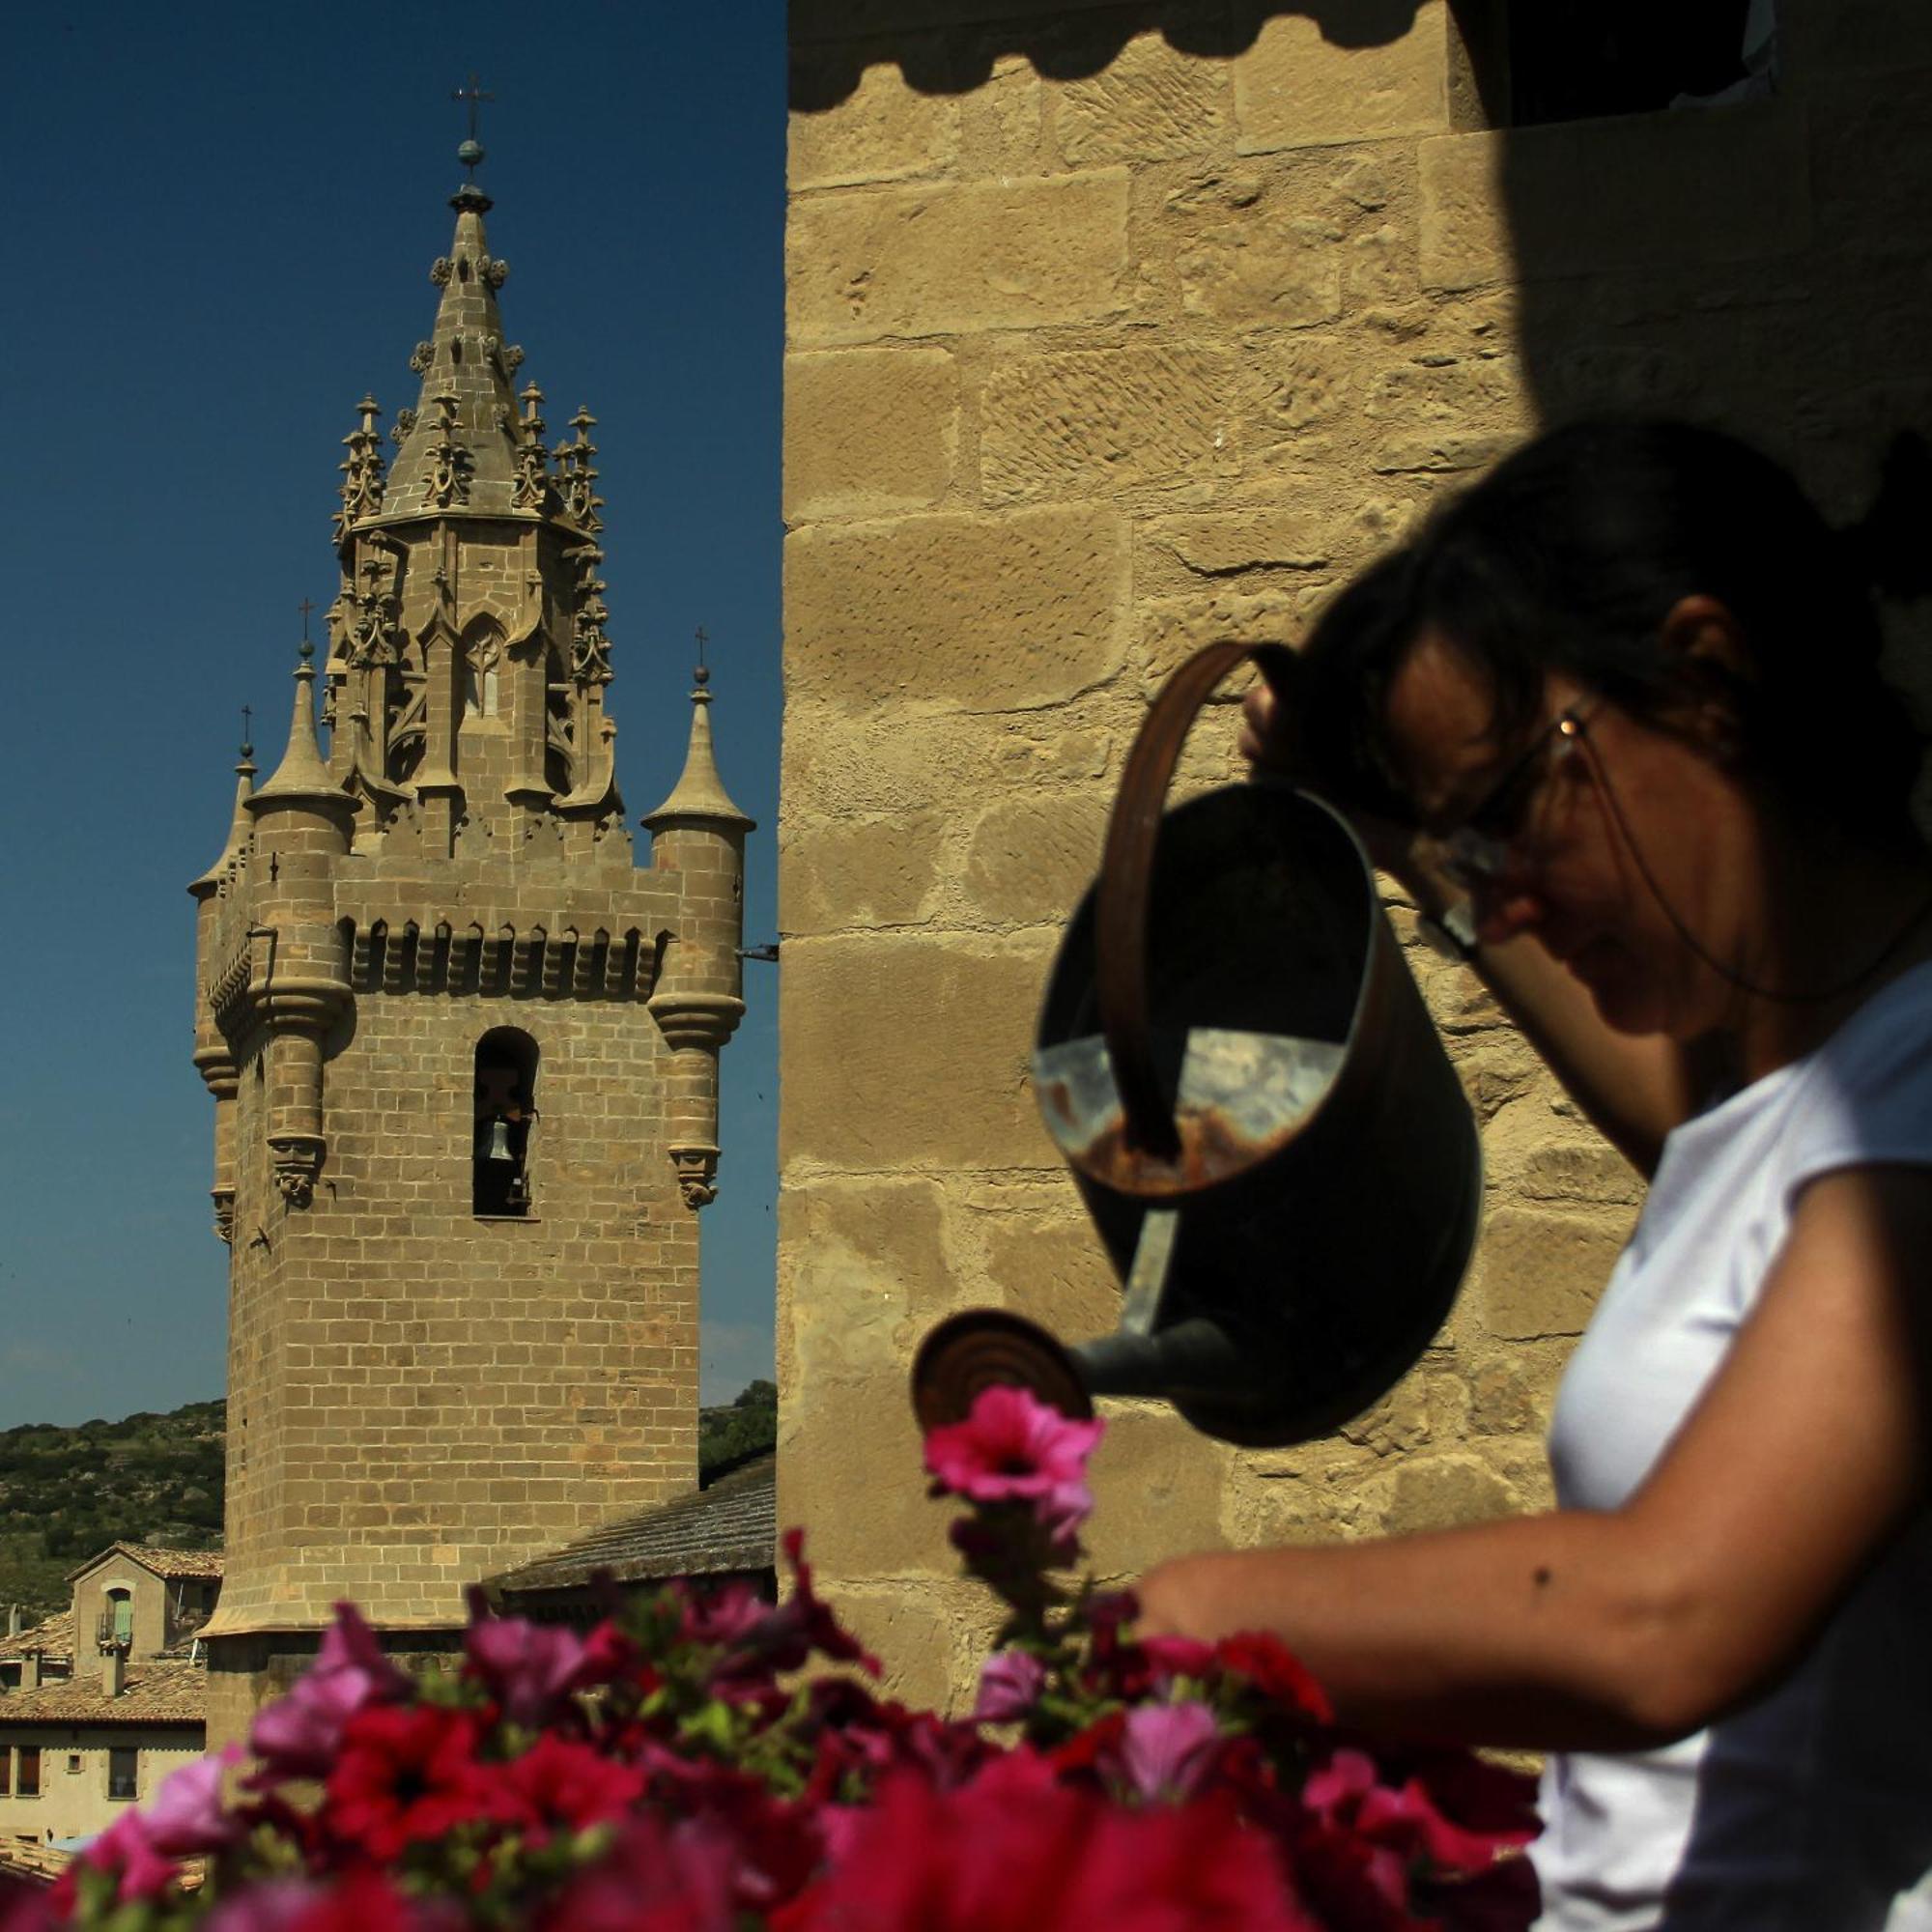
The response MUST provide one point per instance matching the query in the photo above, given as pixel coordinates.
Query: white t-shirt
(1811, 1809)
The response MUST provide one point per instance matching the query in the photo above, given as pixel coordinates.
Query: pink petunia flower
(655, 1879)
(1166, 1750)
(785, 1635)
(1009, 1686)
(1403, 1818)
(127, 1849)
(296, 1736)
(531, 1669)
(1170, 1657)
(364, 1901)
(727, 1615)
(27, 1907)
(1015, 1849)
(1015, 1448)
(186, 1817)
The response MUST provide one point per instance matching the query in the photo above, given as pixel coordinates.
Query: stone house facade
(463, 1048)
(1119, 327)
(100, 1703)
(74, 1753)
(144, 1602)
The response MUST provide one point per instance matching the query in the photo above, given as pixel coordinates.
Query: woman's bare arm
(1576, 1630)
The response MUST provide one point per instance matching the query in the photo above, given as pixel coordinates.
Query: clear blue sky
(219, 222)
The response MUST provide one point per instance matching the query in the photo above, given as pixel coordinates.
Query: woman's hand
(1270, 735)
(1271, 742)
(1170, 1598)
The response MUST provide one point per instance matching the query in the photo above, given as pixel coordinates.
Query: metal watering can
(1237, 1067)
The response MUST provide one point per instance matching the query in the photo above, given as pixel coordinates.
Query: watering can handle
(1126, 878)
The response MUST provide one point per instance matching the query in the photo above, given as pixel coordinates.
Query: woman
(1614, 717)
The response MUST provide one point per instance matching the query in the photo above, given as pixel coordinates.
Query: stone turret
(463, 1050)
(214, 1058)
(298, 980)
(700, 834)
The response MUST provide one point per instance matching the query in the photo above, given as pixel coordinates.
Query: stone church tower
(464, 1052)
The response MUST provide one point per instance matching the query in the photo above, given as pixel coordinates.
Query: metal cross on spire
(702, 675)
(471, 150)
(306, 606)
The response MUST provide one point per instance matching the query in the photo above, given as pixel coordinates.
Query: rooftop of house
(160, 1691)
(726, 1529)
(52, 1637)
(37, 1864)
(169, 1563)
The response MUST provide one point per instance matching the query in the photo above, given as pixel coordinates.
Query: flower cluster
(681, 1769)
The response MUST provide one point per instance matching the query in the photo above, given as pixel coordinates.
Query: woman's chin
(1626, 999)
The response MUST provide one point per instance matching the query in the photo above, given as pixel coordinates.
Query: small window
(117, 1619)
(505, 1107)
(6, 1772)
(73, 1763)
(123, 1770)
(482, 661)
(28, 1784)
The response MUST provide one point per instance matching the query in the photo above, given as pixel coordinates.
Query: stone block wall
(1113, 330)
(419, 1398)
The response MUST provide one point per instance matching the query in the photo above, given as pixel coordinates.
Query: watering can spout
(1195, 1358)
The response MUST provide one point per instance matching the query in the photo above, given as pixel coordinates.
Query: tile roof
(162, 1562)
(723, 1530)
(45, 1864)
(39, 1864)
(55, 1635)
(156, 1692)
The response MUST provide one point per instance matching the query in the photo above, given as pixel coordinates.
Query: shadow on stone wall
(1759, 265)
(949, 47)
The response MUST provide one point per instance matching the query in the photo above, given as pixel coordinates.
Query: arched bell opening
(505, 1102)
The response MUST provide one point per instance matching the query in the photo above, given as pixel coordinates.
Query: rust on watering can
(1237, 1068)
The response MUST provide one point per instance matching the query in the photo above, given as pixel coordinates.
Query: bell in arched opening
(505, 1094)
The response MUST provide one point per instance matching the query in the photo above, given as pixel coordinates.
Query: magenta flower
(27, 1907)
(1167, 1750)
(654, 1879)
(1170, 1657)
(786, 1635)
(1015, 1448)
(296, 1736)
(1010, 1681)
(127, 1849)
(1405, 1818)
(726, 1615)
(531, 1668)
(186, 1818)
(363, 1902)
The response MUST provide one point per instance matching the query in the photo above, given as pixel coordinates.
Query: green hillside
(67, 1492)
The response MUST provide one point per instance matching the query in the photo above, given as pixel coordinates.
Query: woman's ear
(1702, 635)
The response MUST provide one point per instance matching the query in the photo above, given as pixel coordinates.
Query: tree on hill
(734, 1431)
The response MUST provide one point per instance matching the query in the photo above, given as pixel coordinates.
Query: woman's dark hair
(1569, 556)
